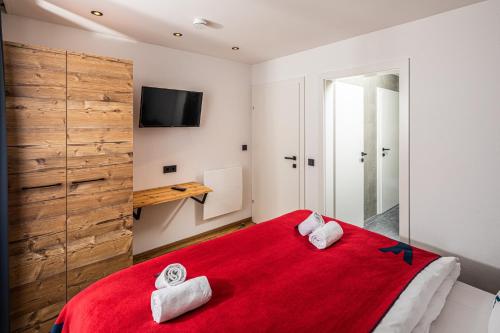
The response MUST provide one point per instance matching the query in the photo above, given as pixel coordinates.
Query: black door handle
(79, 182)
(363, 154)
(293, 158)
(25, 188)
(385, 149)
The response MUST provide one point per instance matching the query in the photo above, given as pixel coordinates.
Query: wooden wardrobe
(69, 125)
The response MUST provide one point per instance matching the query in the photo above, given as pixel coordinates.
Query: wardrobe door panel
(36, 305)
(100, 179)
(90, 203)
(23, 159)
(34, 66)
(99, 154)
(36, 134)
(99, 174)
(99, 73)
(99, 114)
(37, 186)
(98, 135)
(37, 258)
(86, 275)
(86, 94)
(37, 219)
(39, 321)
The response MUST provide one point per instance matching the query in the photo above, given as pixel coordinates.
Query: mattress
(467, 310)
(268, 278)
(422, 301)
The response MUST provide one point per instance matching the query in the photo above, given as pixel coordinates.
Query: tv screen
(170, 108)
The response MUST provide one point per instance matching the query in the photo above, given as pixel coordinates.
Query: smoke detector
(200, 22)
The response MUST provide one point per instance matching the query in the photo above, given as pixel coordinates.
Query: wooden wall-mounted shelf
(159, 195)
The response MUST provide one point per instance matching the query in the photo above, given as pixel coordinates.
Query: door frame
(402, 65)
(339, 115)
(380, 158)
(301, 153)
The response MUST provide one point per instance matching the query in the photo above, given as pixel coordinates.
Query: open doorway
(362, 151)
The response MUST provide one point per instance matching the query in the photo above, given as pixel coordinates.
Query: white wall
(454, 126)
(225, 123)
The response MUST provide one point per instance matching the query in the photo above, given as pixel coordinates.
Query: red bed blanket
(266, 278)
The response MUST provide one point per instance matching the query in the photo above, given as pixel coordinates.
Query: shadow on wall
(121, 29)
(476, 274)
(167, 212)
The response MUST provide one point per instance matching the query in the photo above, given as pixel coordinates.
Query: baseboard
(214, 233)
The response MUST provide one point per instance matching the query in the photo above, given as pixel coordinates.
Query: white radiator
(227, 195)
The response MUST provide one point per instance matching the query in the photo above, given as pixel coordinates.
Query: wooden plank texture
(90, 94)
(26, 65)
(91, 114)
(36, 133)
(95, 248)
(84, 276)
(99, 73)
(70, 145)
(29, 112)
(37, 186)
(88, 202)
(99, 174)
(37, 219)
(98, 135)
(37, 303)
(35, 137)
(40, 321)
(35, 100)
(100, 179)
(99, 154)
(37, 258)
(160, 195)
(24, 159)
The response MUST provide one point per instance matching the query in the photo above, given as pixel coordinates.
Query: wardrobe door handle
(25, 188)
(78, 182)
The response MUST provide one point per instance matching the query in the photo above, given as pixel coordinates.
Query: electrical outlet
(169, 168)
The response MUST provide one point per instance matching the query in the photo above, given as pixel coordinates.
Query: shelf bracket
(202, 201)
(137, 213)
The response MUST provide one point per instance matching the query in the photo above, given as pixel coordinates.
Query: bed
(467, 310)
(268, 278)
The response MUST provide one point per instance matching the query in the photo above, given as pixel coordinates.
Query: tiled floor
(386, 223)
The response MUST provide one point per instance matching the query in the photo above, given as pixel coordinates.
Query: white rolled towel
(168, 303)
(311, 223)
(326, 235)
(171, 275)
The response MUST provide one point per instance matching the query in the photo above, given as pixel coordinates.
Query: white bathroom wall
(454, 126)
(225, 123)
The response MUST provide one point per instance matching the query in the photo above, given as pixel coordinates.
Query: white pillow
(494, 325)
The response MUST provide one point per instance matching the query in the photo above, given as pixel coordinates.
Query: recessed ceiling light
(235, 48)
(96, 13)
(177, 34)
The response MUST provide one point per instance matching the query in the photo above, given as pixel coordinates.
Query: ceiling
(263, 29)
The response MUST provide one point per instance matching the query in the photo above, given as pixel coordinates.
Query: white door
(349, 143)
(275, 144)
(387, 149)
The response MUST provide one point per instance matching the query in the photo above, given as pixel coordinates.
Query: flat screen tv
(170, 108)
